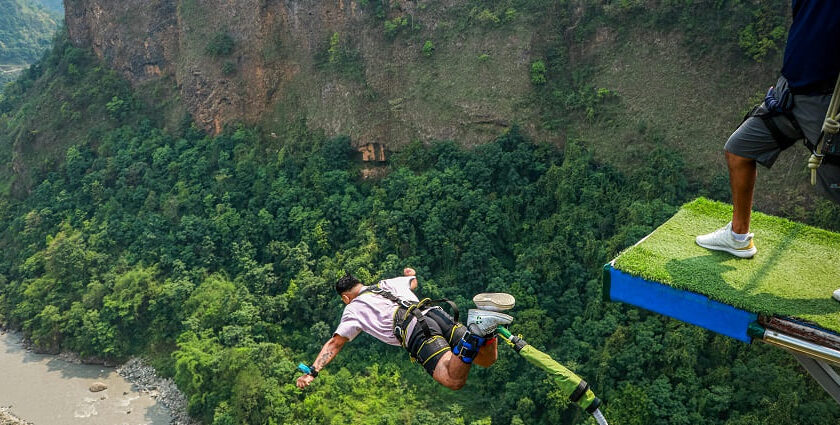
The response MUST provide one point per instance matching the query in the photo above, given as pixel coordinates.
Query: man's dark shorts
(753, 139)
(445, 334)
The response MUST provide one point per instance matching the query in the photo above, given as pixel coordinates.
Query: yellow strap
(428, 341)
(452, 333)
(433, 355)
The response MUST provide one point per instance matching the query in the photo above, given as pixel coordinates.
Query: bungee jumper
(798, 107)
(392, 313)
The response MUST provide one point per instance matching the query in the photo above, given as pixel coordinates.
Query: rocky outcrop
(137, 38)
(8, 418)
(97, 387)
(380, 89)
(146, 380)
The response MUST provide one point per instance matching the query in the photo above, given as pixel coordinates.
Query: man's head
(344, 286)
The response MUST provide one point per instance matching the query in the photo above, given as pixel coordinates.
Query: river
(46, 390)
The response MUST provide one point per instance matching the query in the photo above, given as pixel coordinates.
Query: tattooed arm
(328, 352)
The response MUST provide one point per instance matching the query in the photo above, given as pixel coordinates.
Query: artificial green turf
(794, 273)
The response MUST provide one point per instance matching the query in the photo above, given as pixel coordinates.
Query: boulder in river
(97, 387)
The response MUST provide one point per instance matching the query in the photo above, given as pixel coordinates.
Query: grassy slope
(793, 273)
(451, 94)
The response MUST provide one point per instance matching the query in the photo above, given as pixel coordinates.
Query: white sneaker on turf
(722, 240)
(483, 322)
(494, 301)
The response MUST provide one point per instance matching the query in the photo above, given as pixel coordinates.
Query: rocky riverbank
(135, 390)
(163, 390)
(8, 418)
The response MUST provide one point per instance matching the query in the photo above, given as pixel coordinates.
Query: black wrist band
(312, 372)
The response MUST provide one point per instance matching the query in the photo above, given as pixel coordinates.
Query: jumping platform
(781, 296)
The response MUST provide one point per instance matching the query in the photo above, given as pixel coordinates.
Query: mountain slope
(26, 31)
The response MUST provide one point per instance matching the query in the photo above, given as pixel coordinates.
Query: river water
(46, 390)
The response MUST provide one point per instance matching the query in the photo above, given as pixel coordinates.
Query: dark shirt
(812, 55)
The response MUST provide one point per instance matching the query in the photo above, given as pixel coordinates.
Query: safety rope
(831, 126)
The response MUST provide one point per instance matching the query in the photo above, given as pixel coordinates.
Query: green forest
(215, 258)
(26, 31)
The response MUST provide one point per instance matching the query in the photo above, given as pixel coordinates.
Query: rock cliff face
(331, 62)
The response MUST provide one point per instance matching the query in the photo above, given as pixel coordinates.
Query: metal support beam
(823, 373)
(798, 345)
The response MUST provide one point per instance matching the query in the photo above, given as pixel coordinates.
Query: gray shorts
(828, 179)
(753, 139)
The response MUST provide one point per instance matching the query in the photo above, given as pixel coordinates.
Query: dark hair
(346, 283)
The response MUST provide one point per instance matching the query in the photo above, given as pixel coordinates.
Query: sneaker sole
(494, 301)
(742, 253)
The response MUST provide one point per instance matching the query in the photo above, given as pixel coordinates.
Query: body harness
(780, 105)
(776, 112)
(408, 310)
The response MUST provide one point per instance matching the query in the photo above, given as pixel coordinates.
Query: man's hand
(304, 380)
(408, 271)
(328, 352)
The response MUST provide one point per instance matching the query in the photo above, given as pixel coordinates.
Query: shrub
(538, 73)
(341, 57)
(335, 48)
(487, 16)
(221, 44)
(510, 14)
(428, 48)
(394, 26)
(228, 68)
(117, 108)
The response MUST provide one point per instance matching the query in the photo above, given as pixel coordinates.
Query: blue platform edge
(686, 306)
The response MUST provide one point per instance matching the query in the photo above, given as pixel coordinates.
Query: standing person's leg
(750, 144)
(754, 142)
(742, 175)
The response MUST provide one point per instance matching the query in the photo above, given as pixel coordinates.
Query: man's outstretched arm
(328, 352)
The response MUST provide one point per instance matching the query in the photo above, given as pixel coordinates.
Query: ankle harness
(467, 348)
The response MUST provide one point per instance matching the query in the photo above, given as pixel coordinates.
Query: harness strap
(783, 140)
(408, 310)
(414, 312)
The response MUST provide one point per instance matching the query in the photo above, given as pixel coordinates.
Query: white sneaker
(836, 294)
(483, 322)
(722, 240)
(494, 301)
